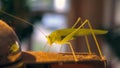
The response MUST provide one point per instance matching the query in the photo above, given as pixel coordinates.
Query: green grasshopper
(63, 36)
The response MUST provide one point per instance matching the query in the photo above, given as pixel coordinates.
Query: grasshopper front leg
(73, 52)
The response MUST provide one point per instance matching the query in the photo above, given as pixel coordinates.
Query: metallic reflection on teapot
(10, 50)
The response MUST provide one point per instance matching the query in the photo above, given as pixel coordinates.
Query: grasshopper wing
(83, 32)
(69, 34)
(80, 32)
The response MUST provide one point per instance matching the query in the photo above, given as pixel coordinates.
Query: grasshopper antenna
(20, 19)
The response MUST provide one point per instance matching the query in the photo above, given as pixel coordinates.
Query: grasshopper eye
(49, 40)
(47, 37)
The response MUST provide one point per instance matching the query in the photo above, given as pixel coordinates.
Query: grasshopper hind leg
(76, 22)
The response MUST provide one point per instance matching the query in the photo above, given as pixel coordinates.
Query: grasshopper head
(49, 40)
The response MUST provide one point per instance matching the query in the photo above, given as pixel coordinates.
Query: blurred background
(49, 15)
